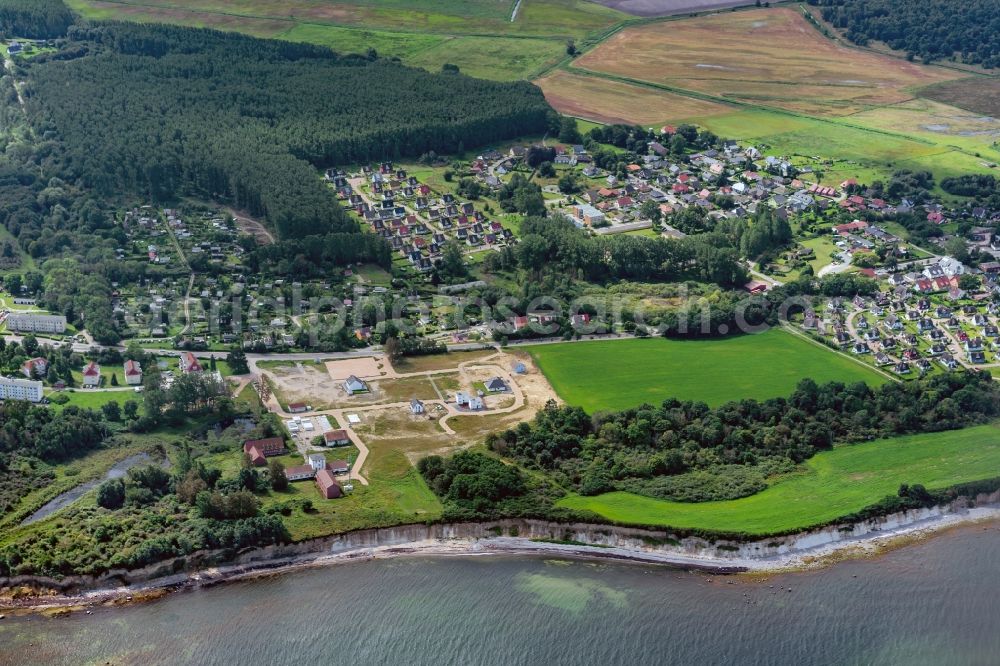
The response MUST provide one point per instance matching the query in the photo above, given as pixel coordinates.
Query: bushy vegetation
(47, 434)
(635, 448)
(94, 539)
(475, 486)
(928, 29)
(982, 187)
(555, 244)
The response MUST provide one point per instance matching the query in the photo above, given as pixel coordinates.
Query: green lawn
(617, 374)
(91, 399)
(833, 484)
(823, 246)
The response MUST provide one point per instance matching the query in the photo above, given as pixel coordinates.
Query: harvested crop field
(770, 57)
(614, 102)
(670, 7)
(978, 94)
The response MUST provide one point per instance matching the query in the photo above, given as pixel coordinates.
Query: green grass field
(90, 399)
(832, 484)
(476, 35)
(854, 147)
(617, 374)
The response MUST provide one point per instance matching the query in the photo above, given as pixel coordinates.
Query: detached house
(354, 385)
(92, 375)
(189, 363)
(261, 449)
(35, 367)
(133, 373)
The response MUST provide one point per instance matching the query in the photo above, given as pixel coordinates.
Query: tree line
(555, 244)
(686, 450)
(968, 30)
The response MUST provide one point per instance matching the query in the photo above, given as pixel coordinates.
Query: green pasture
(830, 485)
(618, 374)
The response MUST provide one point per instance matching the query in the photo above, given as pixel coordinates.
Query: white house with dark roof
(354, 385)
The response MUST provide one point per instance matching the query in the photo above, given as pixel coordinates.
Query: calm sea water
(933, 603)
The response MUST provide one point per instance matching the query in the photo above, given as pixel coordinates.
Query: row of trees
(555, 244)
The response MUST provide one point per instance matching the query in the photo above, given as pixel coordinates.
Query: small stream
(70, 496)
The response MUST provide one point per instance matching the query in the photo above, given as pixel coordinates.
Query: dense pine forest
(928, 29)
(36, 19)
(166, 111)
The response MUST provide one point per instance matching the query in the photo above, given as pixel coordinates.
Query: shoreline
(872, 544)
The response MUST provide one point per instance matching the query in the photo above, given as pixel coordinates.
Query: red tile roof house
(297, 407)
(92, 375)
(338, 466)
(261, 449)
(189, 363)
(35, 367)
(336, 438)
(327, 484)
(856, 225)
(133, 373)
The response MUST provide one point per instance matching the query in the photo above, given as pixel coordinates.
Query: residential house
(354, 385)
(336, 438)
(189, 363)
(496, 385)
(261, 449)
(35, 323)
(133, 373)
(20, 389)
(35, 367)
(92, 375)
(416, 406)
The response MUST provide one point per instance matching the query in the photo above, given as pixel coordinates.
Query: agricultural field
(498, 58)
(607, 101)
(829, 485)
(735, 55)
(476, 35)
(669, 7)
(618, 374)
(979, 94)
(847, 149)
